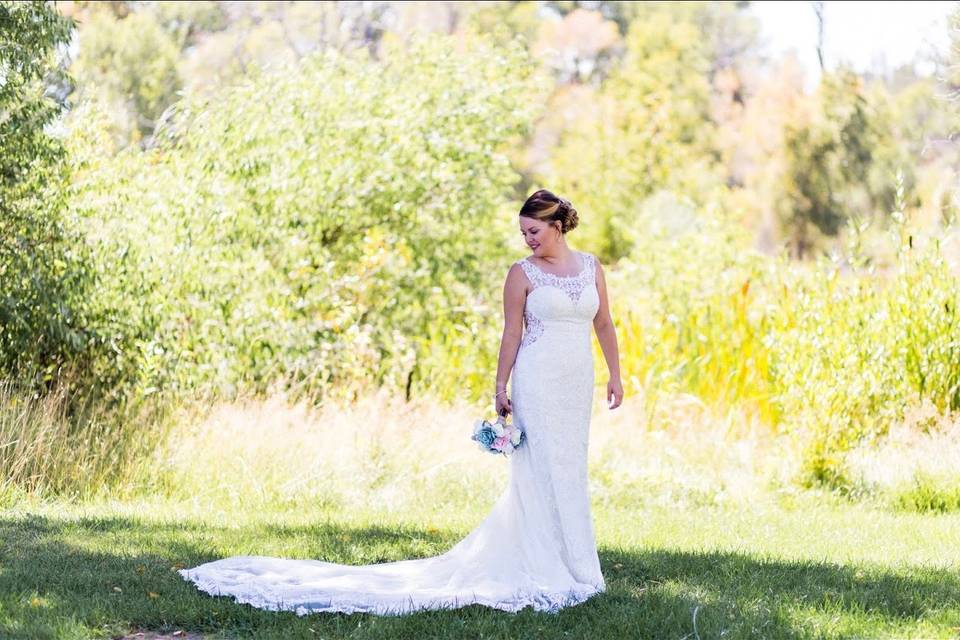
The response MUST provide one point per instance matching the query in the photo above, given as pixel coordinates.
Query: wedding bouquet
(497, 437)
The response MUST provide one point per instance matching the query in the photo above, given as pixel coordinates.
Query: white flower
(498, 429)
(515, 436)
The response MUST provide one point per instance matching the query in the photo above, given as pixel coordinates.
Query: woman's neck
(556, 258)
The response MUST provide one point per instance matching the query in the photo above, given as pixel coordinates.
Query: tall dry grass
(52, 445)
(394, 454)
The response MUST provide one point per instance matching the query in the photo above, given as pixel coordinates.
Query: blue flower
(485, 436)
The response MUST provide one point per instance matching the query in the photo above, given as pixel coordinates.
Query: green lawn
(798, 567)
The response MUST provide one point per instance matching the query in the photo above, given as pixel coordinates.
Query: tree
(579, 47)
(649, 129)
(43, 275)
(129, 63)
(335, 224)
(818, 10)
(838, 161)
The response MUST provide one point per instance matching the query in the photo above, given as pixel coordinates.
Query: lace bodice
(573, 286)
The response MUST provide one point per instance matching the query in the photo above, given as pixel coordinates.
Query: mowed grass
(773, 571)
(698, 537)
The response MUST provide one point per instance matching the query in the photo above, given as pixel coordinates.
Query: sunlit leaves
(648, 128)
(829, 354)
(43, 279)
(840, 158)
(320, 224)
(130, 63)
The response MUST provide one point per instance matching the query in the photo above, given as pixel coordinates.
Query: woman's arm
(514, 297)
(607, 335)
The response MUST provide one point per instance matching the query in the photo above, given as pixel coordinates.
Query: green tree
(505, 20)
(43, 272)
(129, 63)
(335, 226)
(840, 162)
(650, 129)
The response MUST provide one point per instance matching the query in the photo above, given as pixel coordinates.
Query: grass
(701, 534)
(800, 569)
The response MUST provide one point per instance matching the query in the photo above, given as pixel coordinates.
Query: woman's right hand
(503, 406)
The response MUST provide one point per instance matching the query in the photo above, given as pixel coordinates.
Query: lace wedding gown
(536, 547)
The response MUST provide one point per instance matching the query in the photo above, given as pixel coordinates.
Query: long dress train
(536, 547)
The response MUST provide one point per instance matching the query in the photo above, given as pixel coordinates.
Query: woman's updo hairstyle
(544, 205)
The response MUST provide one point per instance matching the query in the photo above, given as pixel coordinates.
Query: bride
(536, 547)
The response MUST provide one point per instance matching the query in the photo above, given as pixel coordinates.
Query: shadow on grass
(108, 576)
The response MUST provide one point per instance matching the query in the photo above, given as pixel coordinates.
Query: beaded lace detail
(573, 286)
(534, 328)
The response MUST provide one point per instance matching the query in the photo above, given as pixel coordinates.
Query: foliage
(132, 63)
(44, 279)
(318, 226)
(505, 21)
(840, 161)
(649, 129)
(300, 213)
(832, 353)
(691, 303)
(579, 48)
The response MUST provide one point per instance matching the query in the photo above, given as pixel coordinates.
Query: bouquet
(497, 437)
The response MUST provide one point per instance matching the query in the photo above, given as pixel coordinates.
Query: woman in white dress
(536, 547)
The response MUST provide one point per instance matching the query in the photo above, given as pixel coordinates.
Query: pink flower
(501, 441)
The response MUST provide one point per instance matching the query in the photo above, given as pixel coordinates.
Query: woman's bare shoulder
(516, 272)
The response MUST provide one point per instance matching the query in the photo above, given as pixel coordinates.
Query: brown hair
(544, 205)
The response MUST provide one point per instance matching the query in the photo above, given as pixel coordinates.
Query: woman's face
(540, 236)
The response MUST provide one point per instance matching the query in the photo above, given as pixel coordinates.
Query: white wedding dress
(536, 547)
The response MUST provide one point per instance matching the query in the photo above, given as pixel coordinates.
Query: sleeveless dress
(535, 548)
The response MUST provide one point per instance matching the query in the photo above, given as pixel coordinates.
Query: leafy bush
(831, 352)
(45, 277)
(318, 226)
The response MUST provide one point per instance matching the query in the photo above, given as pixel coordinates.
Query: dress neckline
(583, 259)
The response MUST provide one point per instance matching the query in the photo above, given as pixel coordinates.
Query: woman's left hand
(614, 389)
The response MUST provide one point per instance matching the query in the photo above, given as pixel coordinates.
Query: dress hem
(547, 601)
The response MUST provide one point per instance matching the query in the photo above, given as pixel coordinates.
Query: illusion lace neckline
(583, 260)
